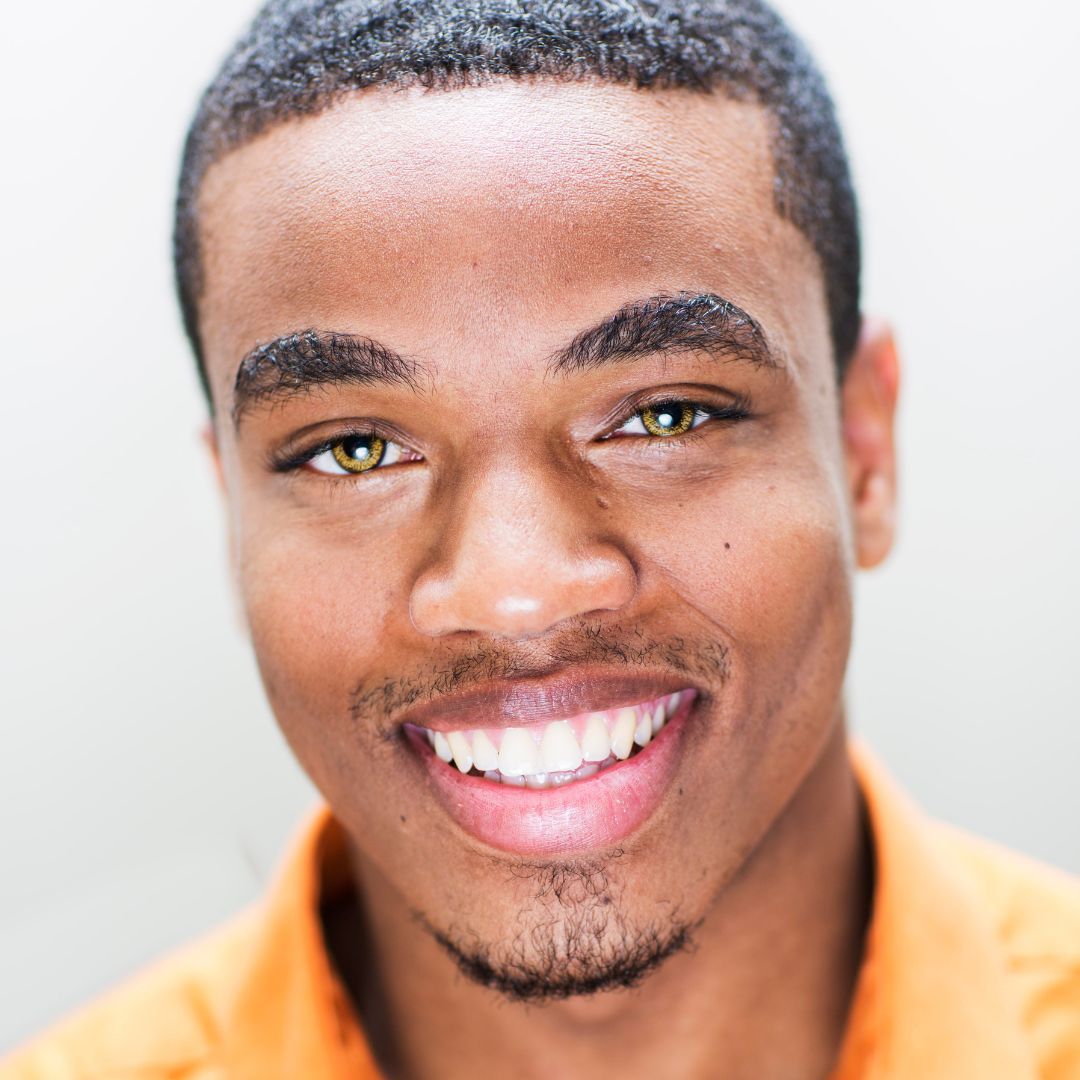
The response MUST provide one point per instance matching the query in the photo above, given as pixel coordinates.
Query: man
(551, 437)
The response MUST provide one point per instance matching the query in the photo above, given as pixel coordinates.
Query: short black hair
(298, 57)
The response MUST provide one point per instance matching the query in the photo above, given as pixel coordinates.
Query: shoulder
(165, 1022)
(1035, 913)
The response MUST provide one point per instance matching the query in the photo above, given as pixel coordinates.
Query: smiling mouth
(561, 752)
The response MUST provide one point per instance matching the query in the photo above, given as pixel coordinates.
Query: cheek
(760, 565)
(316, 616)
(321, 618)
(764, 560)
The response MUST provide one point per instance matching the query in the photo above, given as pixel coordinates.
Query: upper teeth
(561, 747)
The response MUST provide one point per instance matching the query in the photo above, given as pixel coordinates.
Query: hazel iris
(668, 418)
(358, 453)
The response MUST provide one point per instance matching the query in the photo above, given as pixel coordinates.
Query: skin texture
(479, 230)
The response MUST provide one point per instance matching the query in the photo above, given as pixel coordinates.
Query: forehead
(505, 213)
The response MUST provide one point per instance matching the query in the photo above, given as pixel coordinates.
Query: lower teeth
(549, 780)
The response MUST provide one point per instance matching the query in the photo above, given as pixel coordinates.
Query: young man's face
(502, 524)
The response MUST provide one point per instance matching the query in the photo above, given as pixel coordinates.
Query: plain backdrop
(145, 793)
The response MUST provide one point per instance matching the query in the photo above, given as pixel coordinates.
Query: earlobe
(869, 396)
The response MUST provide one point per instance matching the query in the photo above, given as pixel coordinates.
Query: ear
(868, 398)
(213, 447)
(210, 442)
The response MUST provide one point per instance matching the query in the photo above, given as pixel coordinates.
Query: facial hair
(573, 938)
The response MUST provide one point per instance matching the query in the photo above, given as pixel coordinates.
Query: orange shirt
(972, 972)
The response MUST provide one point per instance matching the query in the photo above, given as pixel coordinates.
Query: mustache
(376, 701)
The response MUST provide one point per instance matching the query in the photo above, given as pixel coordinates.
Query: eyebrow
(298, 363)
(683, 322)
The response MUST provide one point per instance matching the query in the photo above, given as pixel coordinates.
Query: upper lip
(518, 702)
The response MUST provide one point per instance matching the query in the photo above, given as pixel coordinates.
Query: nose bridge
(510, 512)
(521, 553)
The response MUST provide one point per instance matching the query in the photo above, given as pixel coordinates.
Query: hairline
(301, 57)
(324, 103)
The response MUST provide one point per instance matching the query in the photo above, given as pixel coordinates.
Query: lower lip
(598, 812)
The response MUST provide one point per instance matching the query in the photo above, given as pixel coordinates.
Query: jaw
(813, 877)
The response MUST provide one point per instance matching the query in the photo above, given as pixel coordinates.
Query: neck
(765, 993)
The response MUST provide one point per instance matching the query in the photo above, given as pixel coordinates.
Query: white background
(144, 791)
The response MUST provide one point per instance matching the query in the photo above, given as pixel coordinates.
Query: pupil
(668, 418)
(357, 448)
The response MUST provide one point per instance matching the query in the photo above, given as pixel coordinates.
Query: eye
(355, 454)
(665, 418)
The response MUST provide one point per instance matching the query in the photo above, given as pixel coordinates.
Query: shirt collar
(931, 998)
(292, 1015)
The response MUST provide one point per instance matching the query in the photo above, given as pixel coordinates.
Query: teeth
(462, 751)
(559, 750)
(557, 779)
(519, 754)
(622, 734)
(562, 751)
(596, 742)
(485, 756)
(643, 730)
(658, 717)
(442, 747)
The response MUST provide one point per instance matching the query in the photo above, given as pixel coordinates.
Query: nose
(519, 557)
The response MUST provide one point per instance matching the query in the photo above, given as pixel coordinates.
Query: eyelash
(291, 462)
(730, 413)
(702, 412)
